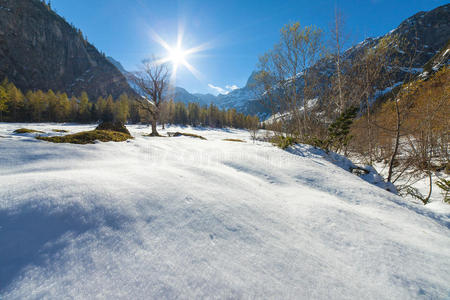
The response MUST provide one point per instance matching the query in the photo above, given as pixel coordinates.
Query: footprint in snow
(211, 236)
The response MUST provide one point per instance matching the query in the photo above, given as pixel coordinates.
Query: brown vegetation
(175, 134)
(26, 130)
(88, 137)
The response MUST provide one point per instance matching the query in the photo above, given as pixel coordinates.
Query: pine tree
(108, 113)
(121, 109)
(51, 102)
(15, 104)
(3, 101)
(64, 107)
(84, 111)
(100, 107)
(37, 105)
(338, 131)
(194, 114)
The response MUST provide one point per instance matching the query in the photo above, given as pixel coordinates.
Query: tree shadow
(31, 235)
(204, 128)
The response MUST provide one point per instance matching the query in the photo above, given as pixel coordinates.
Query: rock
(358, 171)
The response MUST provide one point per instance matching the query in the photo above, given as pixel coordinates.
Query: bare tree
(152, 81)
(253, 127)
(286, 76)
(370, 74)
(427, 122)
(406, 64)
(398, 112)
(337, 41)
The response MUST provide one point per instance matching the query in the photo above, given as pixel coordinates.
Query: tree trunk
(397, 141)
(337, 19)
(427, 199)
(369, 131)
(154, 131)
(305, 115)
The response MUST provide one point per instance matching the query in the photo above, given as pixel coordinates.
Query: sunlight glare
(177, 56)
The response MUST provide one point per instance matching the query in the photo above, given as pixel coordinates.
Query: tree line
(39, 106)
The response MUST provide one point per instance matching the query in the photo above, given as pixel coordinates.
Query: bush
(338, 133)
(444, 185)
(60, 130)
(415, 193)
(88, 137)
(318, 143)
(283, 142)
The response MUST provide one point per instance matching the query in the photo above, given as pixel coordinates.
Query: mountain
(179, 94)
(442, 58)
(118, 65)
(40, 50)
(425, 34)
(206, 98)
(238, 98)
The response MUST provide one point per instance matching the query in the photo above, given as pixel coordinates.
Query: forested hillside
(40, 50)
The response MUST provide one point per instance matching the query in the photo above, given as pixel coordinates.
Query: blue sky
(235, 32)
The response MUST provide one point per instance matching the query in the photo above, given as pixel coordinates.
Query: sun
(177, 56)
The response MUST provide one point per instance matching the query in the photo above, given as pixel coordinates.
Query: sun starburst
(177, 55)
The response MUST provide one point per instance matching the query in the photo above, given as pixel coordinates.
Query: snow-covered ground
(187, 218)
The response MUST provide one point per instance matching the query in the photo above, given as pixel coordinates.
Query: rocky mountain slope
(40, 50)
(442, 58)
(179, 94)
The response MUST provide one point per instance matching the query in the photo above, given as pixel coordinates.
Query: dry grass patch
(60, 130)
(175, 134)
(234, 140)
(88, 137)
(26, 130)
(153, 135)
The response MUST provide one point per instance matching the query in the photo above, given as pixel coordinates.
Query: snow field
(186, 218)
